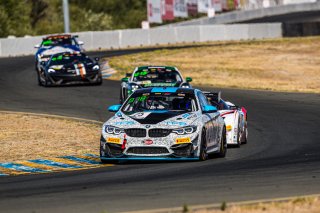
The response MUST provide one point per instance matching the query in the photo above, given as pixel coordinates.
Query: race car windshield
(67, 59)
(178, 103)
(157, 76)
(61, 41)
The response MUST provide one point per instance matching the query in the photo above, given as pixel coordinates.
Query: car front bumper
(67, 79)
(164, 148)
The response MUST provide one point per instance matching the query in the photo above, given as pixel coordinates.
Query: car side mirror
(80, 42)
(125, 79)
(42, 63)
(209, 109)
(114, 108)
(97, 59)
(188, 79)
(37, 46)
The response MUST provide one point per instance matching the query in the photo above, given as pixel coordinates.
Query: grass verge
(290, 64)
(24, 137)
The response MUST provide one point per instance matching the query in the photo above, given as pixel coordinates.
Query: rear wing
(213, 97)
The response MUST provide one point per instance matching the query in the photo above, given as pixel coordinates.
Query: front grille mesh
(159, 132)
(147, 150)
(136, 132)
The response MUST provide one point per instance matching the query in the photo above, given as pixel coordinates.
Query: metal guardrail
(157, 36)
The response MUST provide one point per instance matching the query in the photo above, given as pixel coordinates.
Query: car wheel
(238, 135)
(39, 80)
(99, 81)
(245, 134)
(203, 147)
(42, 79)
(223, 144)
(121, 96)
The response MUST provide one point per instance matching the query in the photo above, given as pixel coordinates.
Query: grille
(159, 132)
(147, 150)
(136, 132)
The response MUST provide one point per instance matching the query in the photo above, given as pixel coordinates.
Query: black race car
(69, 68)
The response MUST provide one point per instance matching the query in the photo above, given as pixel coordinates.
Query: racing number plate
(114, 140)
(183, 140)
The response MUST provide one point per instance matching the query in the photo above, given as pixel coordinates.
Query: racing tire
(99, 81)
(121, 97)
(45, 82)
(223, 144)
(203, 155)
(238, 145)
(39, 81)
(245, 135)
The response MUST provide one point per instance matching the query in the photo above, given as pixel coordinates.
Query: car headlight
(57, 67)
(185, 86)
(51, 70)
(134, 87)
(185, 130)
(96, 67)
(112, 130)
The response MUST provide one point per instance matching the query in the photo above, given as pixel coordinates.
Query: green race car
(152, 76)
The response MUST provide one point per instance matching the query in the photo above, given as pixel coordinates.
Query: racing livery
(152, 76)
(54, 44)
(235, 118)
(69, 68)
(163, 123)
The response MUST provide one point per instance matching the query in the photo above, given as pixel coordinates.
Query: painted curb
(51, 164)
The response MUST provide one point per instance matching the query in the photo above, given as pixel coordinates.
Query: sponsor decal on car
(183, 140)
(124, 123)
(114, 140)
(176, 123)
(148, 142)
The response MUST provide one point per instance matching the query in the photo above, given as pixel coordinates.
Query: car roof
(166, 89)
(58, 36)
(150, 67)
(69, 53)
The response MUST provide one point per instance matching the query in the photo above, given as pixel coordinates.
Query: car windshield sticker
(131, 100)
(160, 85)
(142, 73)
(142, 98)
(47, 42)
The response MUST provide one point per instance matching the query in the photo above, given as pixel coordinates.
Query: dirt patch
(291, 64)
(298, 205)
(24, 137)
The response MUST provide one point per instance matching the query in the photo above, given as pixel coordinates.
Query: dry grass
(299, 205)
(281, 65)
(25, 137)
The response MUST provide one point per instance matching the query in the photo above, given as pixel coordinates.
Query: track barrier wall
(99, 40)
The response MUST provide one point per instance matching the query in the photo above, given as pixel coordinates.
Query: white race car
(235, 118)
(166, 123)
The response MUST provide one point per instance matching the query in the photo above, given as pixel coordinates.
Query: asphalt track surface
(281, 158)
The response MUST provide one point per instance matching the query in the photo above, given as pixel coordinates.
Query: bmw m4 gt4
(163, 124)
